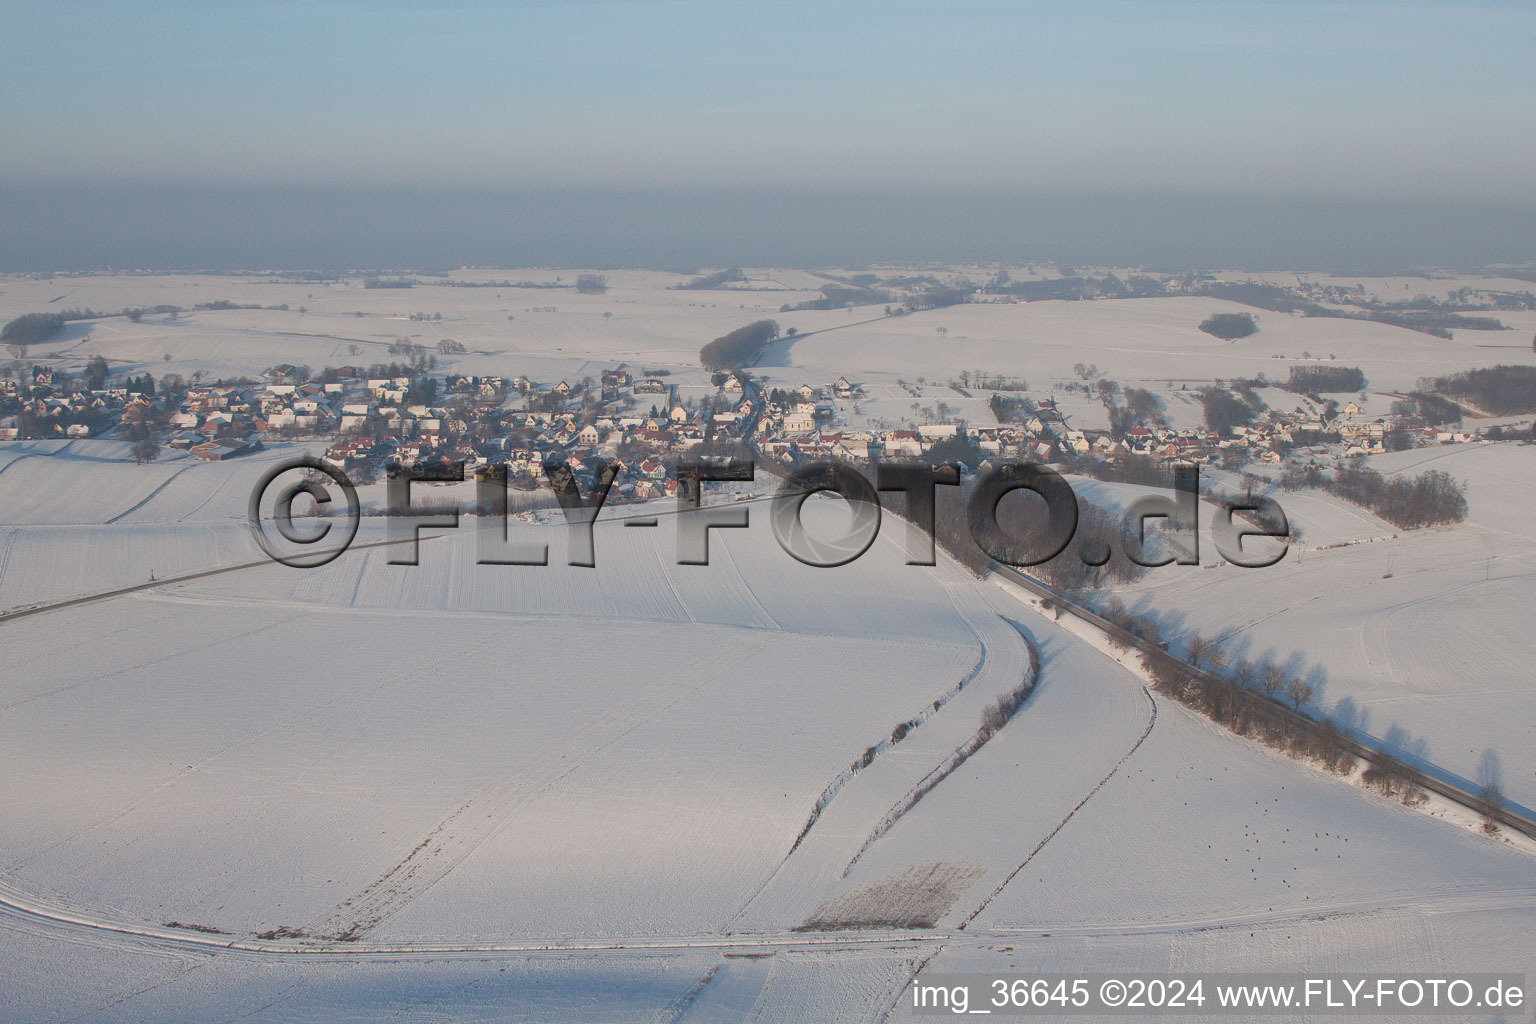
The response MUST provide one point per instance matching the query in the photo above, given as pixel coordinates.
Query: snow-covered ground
(1413, 638)
(455, 791)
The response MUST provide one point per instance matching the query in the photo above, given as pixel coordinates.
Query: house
(218, 451)
(903, 443)
(799, 421)
(850, 447)
(587, 435)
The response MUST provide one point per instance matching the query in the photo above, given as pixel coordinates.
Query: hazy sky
(387, 134)
(1429, 100)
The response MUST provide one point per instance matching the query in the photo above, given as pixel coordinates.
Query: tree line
(1224, 411)
(1315, 380)
(739, 347)
(1496, 390)
(1434, 321)
(704, 282)
(1431, 498)
(30, 329)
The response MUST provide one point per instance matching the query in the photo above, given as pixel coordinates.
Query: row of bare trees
(1230, 699)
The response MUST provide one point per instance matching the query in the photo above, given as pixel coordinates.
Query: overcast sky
(1432, 102)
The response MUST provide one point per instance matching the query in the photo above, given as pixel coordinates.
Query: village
(429, 422)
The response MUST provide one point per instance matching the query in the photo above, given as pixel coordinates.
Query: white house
(799, 422)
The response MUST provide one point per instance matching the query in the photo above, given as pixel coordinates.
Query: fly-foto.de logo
(1040, 532)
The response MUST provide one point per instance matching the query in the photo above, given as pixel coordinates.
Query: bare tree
(1490, 790)
(1388, 774)
(1244, 674)
(1272, 679)
(1298, 691)
(1198, 649)
(135, 417)
(147, 450)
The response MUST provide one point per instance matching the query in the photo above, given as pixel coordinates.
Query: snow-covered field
(1150, 343)
(455, 791)
(1413, 638)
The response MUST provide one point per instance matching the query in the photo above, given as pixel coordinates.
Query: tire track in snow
(941, 771)
(357, 584)
(211, 495)
(107, 595)
(21, 458)
(672, 1014)
(481, 817)
(848, 774)
(44, 455)
(148, 497)
(1151, 721)
(915, 968)
(5, 547)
